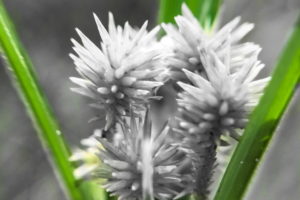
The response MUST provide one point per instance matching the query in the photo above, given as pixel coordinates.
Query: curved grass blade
(263, 122)
(205, 10)
(168, 9)
(23, 76)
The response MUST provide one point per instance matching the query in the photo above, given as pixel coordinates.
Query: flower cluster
(217, 91)
(221, 101)
(183, 44)
(116, 76)
(218, 88)
(144, 162)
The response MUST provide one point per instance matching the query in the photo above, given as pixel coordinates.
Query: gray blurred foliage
(46, 27)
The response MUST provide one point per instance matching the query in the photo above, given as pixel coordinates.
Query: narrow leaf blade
(263, 122)
(205, 10)
(24, 78)
(168, 9)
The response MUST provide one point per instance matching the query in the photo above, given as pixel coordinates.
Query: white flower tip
(83, 171)
(78, 31)
(72, 56)
(156, 29)
(73, 79)
(74, 42)
(186, 71)
(186, 12)
(98, 21)
(237, 19)
(110, 15)
(259, 48)
(144, 26)
(164, 26)
(95, 17)
(126, 24)
(179, 19)
(184, 7)
(256, 52)
(267, 80)
(76, 156)
(90, 142)
(74, 89)
(181, 84)
(111, 19)
(98, 133)
(249, 26)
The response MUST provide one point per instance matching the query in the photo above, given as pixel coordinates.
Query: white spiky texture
(88, 157)
(144, 165)
(201, 148)
(214, 106)
(221, 102)
(123, 72)
(184, 40)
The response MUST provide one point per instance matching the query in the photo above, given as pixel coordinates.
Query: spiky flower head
(214, 105)
(184, 40)
(123, 72)
(145, 164)
(221, 102)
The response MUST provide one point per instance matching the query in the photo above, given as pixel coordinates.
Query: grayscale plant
(144, 165)
(182, 147)
(218, 91)
(214, 107)
(184, 41)
(87, 156)
(221, 102)
(123, 72)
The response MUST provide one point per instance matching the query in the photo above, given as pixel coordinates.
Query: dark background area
(46, 27)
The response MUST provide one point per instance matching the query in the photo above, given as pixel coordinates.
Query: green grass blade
(263, 122)
(208, 12)
(93, 191)
(24, 77)
(168, 9)
(205, 10)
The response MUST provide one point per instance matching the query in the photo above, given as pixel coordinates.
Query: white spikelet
(144, 165)
(221, 102)
(184, 40)
(123, 72)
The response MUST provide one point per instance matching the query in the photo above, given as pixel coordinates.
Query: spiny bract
(183, 44)
(144, 163)
(124, 72)
(221, 102)
(213, 105)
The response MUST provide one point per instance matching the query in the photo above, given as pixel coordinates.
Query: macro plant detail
(141, 162)
(220, 102)
(116, 76)
(218, 91)
(215, 101)
(185, 39)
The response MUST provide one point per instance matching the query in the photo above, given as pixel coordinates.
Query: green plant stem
(263, 122)
(205, 10)
(92, 191)
(168, 9)
(208, 12)
(23, 76)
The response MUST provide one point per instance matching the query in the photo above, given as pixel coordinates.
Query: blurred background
(46, 27)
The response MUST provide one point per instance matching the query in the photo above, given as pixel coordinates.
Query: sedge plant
(213, 74)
